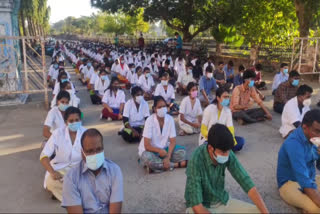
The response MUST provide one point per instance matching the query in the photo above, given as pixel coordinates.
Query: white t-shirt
(56, 89)
(167, 95)
(74, 100)
(101, 87)
(189, 113)
(114, 101)
(67, 155)
(122, 71)
(94, 77)
(87, 72)
(206, 65)
(180, 67)
(290, 115)
(210, 117)
(146, 84)
(185, 78)
(136, 118)
(152, 131)
(54, 119)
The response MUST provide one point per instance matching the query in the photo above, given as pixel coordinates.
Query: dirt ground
(22, 175)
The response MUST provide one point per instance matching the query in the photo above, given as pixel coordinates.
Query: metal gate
(23, 66)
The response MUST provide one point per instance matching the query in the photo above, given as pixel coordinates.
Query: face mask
(56, 66)
(164, 82)
(194, 94)
(285, 70)
(110, 59)
(64, 80)
(162, 112)
(70, 91)
(132, 69)
(148, 75)
(190, 71)
(221, 159)
(169, 58)
(74, 126)
(241, 74)
(139, 99)
(142, 61)
(89, 64)
(315, 141)
(307, 102)
(225, 102)
(95, 161)
(104, 77)
(209, 75)
(295, 83)
(251, 84)
(63, 107)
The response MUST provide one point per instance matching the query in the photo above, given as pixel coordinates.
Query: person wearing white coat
(65, 143)
(219, 112)
(100, 86)
(294, 110)
(74, 100)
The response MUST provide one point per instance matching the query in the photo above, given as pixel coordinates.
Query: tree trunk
(30, 29)
(304, 17)
(218, 48)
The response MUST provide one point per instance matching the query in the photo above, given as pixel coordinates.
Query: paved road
(22, 175)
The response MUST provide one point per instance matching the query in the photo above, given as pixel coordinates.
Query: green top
(205, 181)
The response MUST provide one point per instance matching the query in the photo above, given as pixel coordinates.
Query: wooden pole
(46, 101)
(26, 81)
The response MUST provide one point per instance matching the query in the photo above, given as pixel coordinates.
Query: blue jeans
(240, 142)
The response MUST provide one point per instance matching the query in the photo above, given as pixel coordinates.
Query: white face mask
(307, 102)
(139, 99)
(210, 75)
(164, 82)
(70, 91)
(161, 112)
(315, 141)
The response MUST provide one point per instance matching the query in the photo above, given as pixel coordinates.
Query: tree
(190, 17)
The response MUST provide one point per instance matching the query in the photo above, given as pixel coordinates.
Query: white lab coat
(100, 86)
(167, 95)
(189, 113)
(146, 84)
(54, 119)
(136, 117)
(114, 101)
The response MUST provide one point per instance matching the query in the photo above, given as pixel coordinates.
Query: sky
(61, 9)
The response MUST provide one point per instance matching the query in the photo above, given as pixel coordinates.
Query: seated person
(286, 91)
(238, 79)
(166, 69)
(135, 77)
(158, 150)
(295, 109)
(197, 70)
(74, 100)
(55, 116)
(205, 188)
(258, 83)
(131, 72)
(86, 72)
(147, 84)
(280, 77)
(219, 112)
(166, 90)
(95, 185)
(296, 173)
(122, 70)
(113, 101)
(229, 71)
(190, 112)
(184, 78)
(207, 83)
(220, 76)
(240, 102)
(210, 62)
(100, 86)
(63, 77)
(65, 144)
(136, 111)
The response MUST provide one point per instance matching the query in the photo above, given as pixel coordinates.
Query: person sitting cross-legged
(295, 110)
(136, 111)
(158, 150)
(296, 172)
(205, 188)
(95, 185)
(240, 102)
(286, 91)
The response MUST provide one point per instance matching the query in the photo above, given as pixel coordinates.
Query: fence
(23, 66)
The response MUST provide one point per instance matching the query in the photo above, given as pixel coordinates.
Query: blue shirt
(228, 71)
(179, 42)
(296, 161)
(237, 80)
(278, 79)
(207, 85)
(93, 193)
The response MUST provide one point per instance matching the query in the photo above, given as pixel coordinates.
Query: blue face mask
(95, 161)
(295, 82)
(89, 64)
(104, 77)
(251, 84)
(63, 107)
(74, 126)
(64, 80)
(285, 70)
(56, 66)
(225, 102)
(221, 159)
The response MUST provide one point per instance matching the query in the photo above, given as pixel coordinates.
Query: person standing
(178, 43)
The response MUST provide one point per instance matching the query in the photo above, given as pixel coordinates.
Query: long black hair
(113, 79)
(156, 100)
(219, 93)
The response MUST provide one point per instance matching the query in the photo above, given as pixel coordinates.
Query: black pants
(278, 107)
(261, 85)
(250, 116)
(128, 135)
(95, 99)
